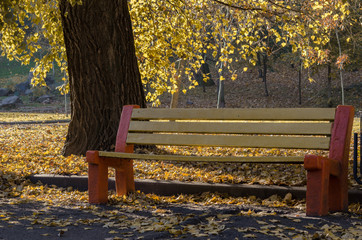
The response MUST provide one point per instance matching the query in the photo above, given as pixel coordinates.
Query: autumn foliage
(174, 38)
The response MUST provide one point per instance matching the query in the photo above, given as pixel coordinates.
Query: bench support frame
(327, 178)
(98, 166)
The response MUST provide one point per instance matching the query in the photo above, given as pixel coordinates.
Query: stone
(273, 198)
(28, 92)
(44, 99)
(288, 198)
(22, 87)
(4, 92)
(10, 102)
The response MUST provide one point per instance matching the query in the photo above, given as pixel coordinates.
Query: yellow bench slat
(299, 142)
(322, 114)
(262, 159)
(305, 128)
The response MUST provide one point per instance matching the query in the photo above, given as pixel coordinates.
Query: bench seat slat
(262, 159)
(307, 114)
(305, 128)
(299, 142)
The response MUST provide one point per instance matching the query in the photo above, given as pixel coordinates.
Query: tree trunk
(300, 82)
(199, 76)
(175, 96)
(265, 68)
(174, 99)
(103, 71)
(329, 86)
(220, 95)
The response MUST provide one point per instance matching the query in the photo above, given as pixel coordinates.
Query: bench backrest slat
(307, 114)
(289, 128)
(305, 128)
(300, 142)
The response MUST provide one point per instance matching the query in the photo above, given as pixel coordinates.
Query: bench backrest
(300, 128)
(290, 128)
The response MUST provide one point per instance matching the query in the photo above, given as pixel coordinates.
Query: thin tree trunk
(340, 67)
(220, 95)
(300, 82)
(103, 71)
(329, 85)
(175, 96)
(53, 70)
(265, 68)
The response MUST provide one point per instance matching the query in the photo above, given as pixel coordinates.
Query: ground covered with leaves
(142, 216)
(49, 211)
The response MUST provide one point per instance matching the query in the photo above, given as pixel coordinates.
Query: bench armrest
(92, 157)
(315, 163)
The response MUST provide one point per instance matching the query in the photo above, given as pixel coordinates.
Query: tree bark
(300, 82)
(220, 94)
(265, 68)
(329, 85)
(175, 96)
(199, 76)
(103, 71)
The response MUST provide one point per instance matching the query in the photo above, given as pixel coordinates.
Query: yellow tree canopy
(173, 37)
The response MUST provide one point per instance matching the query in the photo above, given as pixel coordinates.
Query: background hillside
(246, 91)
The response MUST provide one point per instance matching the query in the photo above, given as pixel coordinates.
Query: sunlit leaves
(202, 29)
(173, 36)
(29, 117)
(29, 149)
(32, 149)
(33, 33)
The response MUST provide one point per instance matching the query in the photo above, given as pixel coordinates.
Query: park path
(36, 220)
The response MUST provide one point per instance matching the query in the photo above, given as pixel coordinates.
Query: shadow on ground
(23, 219)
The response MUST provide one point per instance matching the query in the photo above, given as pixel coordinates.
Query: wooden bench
(286, 128)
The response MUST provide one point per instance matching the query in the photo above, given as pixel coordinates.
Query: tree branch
(284, 7)
(244, 8)
(250, 8)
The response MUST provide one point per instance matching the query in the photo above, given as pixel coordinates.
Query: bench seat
(284, 128)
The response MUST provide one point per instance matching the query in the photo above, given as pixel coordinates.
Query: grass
(24, 117)
(10, 68)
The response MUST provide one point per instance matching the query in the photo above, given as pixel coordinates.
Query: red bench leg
(97, 183)
(97, 179)
(125, 178)
(338, 194)
(317, 185)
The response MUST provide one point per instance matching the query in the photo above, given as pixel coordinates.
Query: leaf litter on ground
(35, 149)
